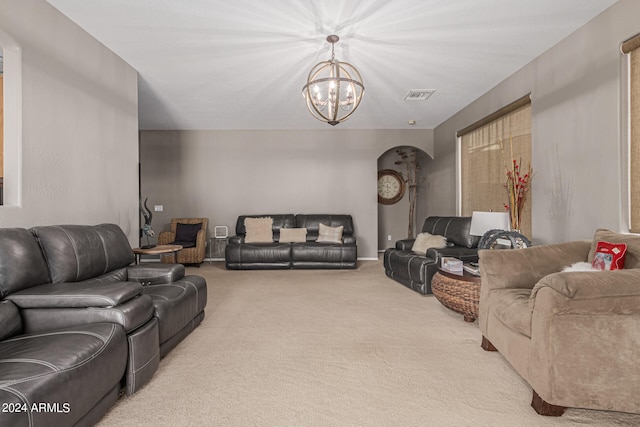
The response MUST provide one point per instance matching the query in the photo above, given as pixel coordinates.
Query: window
(632, 47)
(11, 124)
(485, 149)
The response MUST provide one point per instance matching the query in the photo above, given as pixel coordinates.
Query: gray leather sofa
(78, 322)
(301, 255)
(416, 270)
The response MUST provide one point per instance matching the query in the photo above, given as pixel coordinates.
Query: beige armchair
(573, 336)
(184, 231)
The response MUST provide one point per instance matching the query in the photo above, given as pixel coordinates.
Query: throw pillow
(258, 230)
(329, 234)
(293, 235)
(609, 256)
(187, 233)
(425, 241)
(632, 259)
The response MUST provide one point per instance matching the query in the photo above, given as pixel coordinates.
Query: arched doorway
(393, 219)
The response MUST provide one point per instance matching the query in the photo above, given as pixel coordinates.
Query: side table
(157, 250)
(458, 292)
(217, 247)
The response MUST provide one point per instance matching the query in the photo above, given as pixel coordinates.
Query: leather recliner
(416, 270)
(64, 278)
(75, 371)
(300, 255)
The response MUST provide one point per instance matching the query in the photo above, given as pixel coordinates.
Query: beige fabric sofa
(573, 336)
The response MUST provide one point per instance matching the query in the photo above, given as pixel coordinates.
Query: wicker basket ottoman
(460, 293)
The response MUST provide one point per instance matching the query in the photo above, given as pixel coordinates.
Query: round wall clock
(390, 186)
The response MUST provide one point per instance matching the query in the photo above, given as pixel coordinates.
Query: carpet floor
(333, 348)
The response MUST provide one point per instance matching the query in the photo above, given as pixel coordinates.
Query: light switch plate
(158, 208)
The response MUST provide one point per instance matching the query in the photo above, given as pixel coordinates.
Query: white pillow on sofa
(258, 230)
(329, 234)
(426, 241)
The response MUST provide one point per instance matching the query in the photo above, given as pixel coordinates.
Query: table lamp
(481, 222)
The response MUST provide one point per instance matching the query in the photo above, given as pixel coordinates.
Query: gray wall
(79, 131)
(579, 145)
(223, 174)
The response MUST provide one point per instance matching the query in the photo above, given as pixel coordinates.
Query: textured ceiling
(241, 64)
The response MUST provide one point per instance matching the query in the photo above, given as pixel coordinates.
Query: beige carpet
(333, 348)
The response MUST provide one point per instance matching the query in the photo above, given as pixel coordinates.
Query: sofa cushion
(22, 264)
(323, 255)
(10, 320)
(329, 234)
(258, 230)
(291, 235)
(79, 252)
(258, 255)
(632, 259)
(426, 241)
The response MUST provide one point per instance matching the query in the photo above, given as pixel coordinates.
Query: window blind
(485, 149)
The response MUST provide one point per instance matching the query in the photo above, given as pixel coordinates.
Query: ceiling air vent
(418, 94)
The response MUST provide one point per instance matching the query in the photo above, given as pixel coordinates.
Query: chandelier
(334, 89)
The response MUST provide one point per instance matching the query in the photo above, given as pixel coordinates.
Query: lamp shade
(481, 222)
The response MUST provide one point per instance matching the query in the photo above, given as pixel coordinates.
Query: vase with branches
(518, 185)
(411, 162)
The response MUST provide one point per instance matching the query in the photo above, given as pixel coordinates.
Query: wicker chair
(194, 255)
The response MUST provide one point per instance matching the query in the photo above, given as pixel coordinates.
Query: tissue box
(452, 265)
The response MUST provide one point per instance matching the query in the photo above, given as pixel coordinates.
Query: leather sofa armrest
(462, 253)
(349, 240)
(153, 274)
(405, 244)
(588, 292)
(523, 268)
(76, 295)
(166, 237)
(236, 240)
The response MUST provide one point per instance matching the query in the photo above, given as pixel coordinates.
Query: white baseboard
(367, 259)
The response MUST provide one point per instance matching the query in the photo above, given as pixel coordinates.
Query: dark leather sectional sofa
(79, 323)
(416, 270)
(303, 255)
